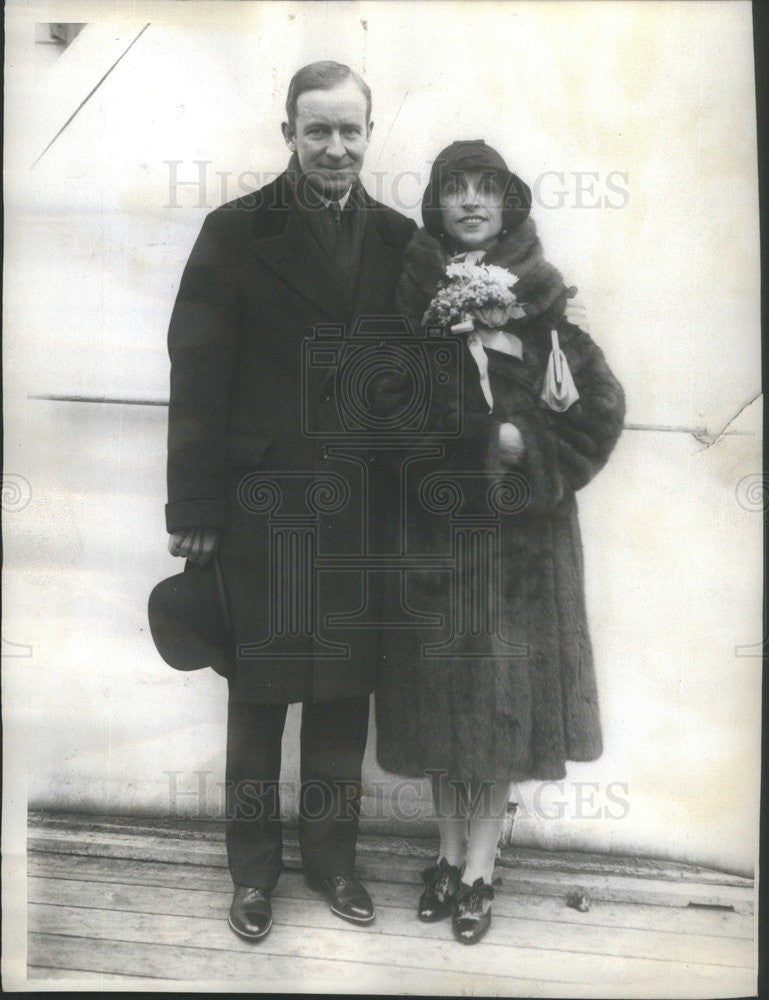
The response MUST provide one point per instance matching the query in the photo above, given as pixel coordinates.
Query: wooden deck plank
(259, 971)
(361, 946)
(123, 903)
(92, 981)
(196, 879)
(126, 845)
(424, 847)
(400, 920)
(615, 888)
(193, 969)
(199, 971)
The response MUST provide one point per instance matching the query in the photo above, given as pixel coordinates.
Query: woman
(510, 694)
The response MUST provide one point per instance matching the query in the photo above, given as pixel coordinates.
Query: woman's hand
(576, 312)
(195, 544)
(511, 444)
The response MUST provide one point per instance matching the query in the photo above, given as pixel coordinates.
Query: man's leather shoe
(348, 898)
(472, 911)
(442, 883)
(250, 913)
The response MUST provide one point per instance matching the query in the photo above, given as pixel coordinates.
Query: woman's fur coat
(496, 679)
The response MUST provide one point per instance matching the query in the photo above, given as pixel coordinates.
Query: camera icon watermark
(380, 380)
(384, 408)
(16, 492)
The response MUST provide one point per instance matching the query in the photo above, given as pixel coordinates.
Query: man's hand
(511, 444)
(195, 544)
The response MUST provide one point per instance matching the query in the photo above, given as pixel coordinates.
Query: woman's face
(471, 208)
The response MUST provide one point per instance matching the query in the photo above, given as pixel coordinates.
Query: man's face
(330, 137)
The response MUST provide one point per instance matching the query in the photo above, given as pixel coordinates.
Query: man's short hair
(322, 76)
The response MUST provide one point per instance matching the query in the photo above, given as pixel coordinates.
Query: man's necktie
(336, 214)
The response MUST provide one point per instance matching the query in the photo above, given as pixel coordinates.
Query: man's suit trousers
(332, 743)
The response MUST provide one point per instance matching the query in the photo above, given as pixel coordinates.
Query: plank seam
(340, 961)
(380, 933)
(226, 893)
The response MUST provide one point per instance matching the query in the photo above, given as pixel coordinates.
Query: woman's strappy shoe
(442, 883)
(472, 911)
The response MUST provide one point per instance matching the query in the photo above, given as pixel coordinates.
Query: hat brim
(188, 623)
(470, 156)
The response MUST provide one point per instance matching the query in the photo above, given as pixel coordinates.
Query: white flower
(461, 269)
(469, 288)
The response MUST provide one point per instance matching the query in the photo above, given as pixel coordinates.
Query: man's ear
(369, 130)
(289, 136)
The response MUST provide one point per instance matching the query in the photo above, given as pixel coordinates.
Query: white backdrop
(635, 125)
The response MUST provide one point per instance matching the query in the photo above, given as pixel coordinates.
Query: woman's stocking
(487, 816)
(449, 802)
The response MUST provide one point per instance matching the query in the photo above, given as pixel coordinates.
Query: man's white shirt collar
(342, 201)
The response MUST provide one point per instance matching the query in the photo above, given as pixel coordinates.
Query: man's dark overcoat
(253, 428)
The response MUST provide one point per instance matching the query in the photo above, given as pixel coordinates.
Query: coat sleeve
(563, 451)
(587, 432)
(202, 344)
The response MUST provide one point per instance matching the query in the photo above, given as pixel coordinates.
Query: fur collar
(540, 286)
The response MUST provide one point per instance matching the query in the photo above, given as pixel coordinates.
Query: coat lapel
(295, 257)
(379, 263)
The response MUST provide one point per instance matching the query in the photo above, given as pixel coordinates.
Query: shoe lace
(254, 895)
(439, 876)
(342, 881)
(471, 897)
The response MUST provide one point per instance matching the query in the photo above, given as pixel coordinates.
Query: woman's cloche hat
(474, 154)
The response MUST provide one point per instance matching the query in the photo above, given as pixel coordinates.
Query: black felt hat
(189, 620)
(474, 154)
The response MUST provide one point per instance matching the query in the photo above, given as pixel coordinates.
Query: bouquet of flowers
(474, 293)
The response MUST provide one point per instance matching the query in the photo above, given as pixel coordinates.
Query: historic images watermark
(752, 494)
(16, 496)
(197, 795)
(197, 184)
(16, 492)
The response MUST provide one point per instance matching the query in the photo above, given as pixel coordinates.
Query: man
(247, 469)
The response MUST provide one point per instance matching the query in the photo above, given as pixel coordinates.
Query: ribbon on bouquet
(498, 340)
(475, 345)
(558, 390)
